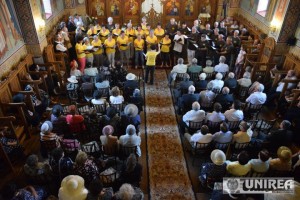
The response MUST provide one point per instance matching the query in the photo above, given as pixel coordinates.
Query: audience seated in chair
(194, 68)
(37, 172)
(231, 82)
(215, 170)
(116, 97)
(225, 98)
(284, 160)
(257, 97)
(10, 144)
(224, 135)
(179, 68)
(100, 82)
(216, 115)
(244, 135)
(111, 118)
(222, 67)
(207, 96)
(98, 98)
(182, 87)
(10, 191)
(137, 99)
(235, 113)
(245, 81)
(217, 82)
(194, 115)
(127, 191)
(96, 191)
(130, 116)
(241, 167)
(202, 83)
(262, 163)
(185, 101)
(131, 139)
(202, 136)
(131, 171)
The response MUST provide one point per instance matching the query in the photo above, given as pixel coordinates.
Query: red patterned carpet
(168, 174)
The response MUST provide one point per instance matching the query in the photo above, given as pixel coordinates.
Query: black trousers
(149, 69)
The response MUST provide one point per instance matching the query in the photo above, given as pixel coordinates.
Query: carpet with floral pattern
(168, 174)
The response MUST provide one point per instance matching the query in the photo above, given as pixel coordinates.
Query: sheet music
(196, 45)
(89, 48)
(207, 38)
(185, 37)
(188, 28)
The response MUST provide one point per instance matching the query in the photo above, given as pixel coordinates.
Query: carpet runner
(168, 174)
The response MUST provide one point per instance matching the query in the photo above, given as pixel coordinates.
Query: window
(47, 10)
(262, 7)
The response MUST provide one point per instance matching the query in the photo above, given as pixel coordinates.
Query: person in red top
(75, 120)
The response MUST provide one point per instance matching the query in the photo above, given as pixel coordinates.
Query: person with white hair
(131, 139)
(194, 115)
(222, 67)
(218, 82)
(185, 101)
(179, 68)
(77, 18)
(208, 68)
(89, 55)
(194, 67)
(110, 24)
(207, 96)
(231, 82)
(225, 99)
(246, 80)
(127, 192)
(257, 97)
(202, 83)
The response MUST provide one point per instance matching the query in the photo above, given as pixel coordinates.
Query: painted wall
(296, 49)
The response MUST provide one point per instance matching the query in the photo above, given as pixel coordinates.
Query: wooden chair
(251, 111)
(110, 151)
(119, 107)
(47, 146)
(213, 126)
(109, 180)
(125, 151)
(233, 125)
(202, 150)
(242, 93)
(194, 76)
(222, 146)
(83, 108)
(180, 77)
(194, 126)
(100, 108)
(92, 149)
(237, 148)
(207, 106)
(104, 91)
(265, 126)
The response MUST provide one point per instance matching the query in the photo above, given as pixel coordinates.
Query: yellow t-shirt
(159, 34)
(121, 42)
(151, 40)
(144, 26)
(90, 32)
(146, 32)
(89, 54)
(139, 44)
(165, 47)
(80, 50)
(116, 32)
(130, 32)
(151, 57)
(103, 35)
(110, 46)
(141, 32)
(97, 45)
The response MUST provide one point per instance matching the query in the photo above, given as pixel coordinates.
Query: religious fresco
(114, 8)
(10, 34)
(189, 7)
(99, 7)
(131, 8)
(249, 5)
(172, 8)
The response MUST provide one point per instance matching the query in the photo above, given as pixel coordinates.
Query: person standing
(80, 51)
(139, 47)
(150, 64)
(178, 45)
(110, 45)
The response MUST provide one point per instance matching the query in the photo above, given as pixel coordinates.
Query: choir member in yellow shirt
(144, 23)
(130, 32)
(139, 51)
(147, 30)
(103, 33)
(165, 50)
(89, 54)
(150, 64)
(159, 32)
(116, 31)
(98, 57)
(139, 31)
(151, 39)
(80, 52)
(110, 45)
(92, 31)
(122, 42)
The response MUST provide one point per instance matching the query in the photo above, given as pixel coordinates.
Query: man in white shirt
(291, 75)
(179, 68)
(235, 114)
(257, 97)
(245, 81)
(131, 139)
(222, 67)
(59, 47)
(178, 45)
(218, 83)
(201, 137)
(216, 115)
(195, 115)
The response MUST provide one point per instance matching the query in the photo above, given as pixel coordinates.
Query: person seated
(137, 99)
(127, 191)
(72, 86)
(216, 169)
(194, 68)
(86, 83)
(179, 68)
(96, 191)
(235, 25)
(278, 137)
(47, 134)
(85, 167)
(202, 83)
(111, 118)
(61, 166)
(131, 171)
(222, 67)
(241, 167)
(118, 74)
(37, 171)
(98, 98)
(225, 99)
(73, 119)
(224, 135)
(183, 86)
(257, 97)
(208, 68)
(262, 164)
(89, 70)
(216, 115)
(235, 113)
(130, 116)
(218, 83)
(73, 187)
(284, 160)
(244, 135)
(116, 97)
(10, 144)
(28, 192)
(293, 115)
(253, 87)
(245, 81)
(207, 96)
(231, 82)
(194, 115)
(185, 101)
(107, 138)
(74, 71)
(202, 136)
(131, 82)
(131, 139)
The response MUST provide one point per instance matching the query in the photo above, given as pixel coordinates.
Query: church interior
(148, 99)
